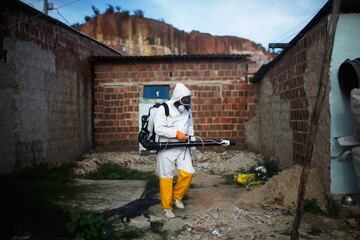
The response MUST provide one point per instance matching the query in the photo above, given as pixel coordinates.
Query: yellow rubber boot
(182, 185)
(166, 191)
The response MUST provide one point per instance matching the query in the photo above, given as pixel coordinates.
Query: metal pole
(168, 145)
(46, 7)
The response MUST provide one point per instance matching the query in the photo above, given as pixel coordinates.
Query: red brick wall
(48, 33)
(46, 88)
(286, 95)
(223, 100)
(288, 81)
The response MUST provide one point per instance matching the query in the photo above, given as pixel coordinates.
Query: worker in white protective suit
(178, 126)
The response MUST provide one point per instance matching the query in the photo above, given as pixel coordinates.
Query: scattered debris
(91, 162)
(352, 222)
(282, 190)
(228, 162)
(216, 211)
(216, 233)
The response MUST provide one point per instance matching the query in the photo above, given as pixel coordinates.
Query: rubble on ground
(227, 162)
(92, 161)
(216, 211)
(282, 190)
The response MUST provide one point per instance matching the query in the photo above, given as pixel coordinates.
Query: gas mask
(185, 104)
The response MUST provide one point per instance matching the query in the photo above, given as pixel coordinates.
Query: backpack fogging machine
(146, 135)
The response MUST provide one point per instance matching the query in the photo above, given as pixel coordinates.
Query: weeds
(229, 179)
(332, 210)
(28, 204)
(112, 171)
(84, 225)
(27, 201)
(311, 206)
(272, 167)
(132, 233)
(315, 231)
(156, 227)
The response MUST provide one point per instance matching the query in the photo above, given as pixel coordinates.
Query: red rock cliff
(134, 35)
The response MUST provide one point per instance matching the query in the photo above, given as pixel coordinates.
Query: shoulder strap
(166, 109)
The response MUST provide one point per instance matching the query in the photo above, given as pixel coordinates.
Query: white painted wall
(346, 45)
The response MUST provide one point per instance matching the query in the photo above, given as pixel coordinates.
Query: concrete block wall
(223, 100)
(286, 96)
(45, 89)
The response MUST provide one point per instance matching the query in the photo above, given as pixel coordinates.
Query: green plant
(272, 167)
(75, 25)
(332, 210)
(84, 225)
(228, 180)
(28, 201)
(110, 9)
(112, 171)
(128, 233)
(315, 231)
(157, 227)
(125, 12)
(311, 206)
(139, 13)
(95, 10)
(87, 18)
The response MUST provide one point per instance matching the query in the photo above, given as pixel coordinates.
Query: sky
(262, 21)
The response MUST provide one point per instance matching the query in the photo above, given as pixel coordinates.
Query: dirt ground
(216, 209)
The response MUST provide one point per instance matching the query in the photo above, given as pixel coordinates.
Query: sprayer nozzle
(225, 142)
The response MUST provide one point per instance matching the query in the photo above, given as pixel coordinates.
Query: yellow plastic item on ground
(245, 178)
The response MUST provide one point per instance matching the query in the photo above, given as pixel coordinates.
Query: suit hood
(179, 92)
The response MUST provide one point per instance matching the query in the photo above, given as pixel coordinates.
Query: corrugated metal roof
(244, 57)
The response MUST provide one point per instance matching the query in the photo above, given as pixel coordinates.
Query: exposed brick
(57, 57)
(292, 84)
(216, 106)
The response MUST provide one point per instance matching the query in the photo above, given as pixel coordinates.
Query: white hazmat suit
(166, 129)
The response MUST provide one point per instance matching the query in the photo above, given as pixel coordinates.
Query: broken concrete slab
(102, 195)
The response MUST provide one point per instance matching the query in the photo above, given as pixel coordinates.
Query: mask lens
(185, 101)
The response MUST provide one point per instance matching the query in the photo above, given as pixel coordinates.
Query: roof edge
(196, 57)
(40, 14)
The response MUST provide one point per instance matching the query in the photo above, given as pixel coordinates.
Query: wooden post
(315, 115)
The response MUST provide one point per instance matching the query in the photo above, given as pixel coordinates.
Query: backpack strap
(166, 109)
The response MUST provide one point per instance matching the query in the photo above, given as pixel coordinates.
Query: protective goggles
(186, 101)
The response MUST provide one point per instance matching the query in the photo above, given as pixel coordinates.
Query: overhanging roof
(194, 57)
